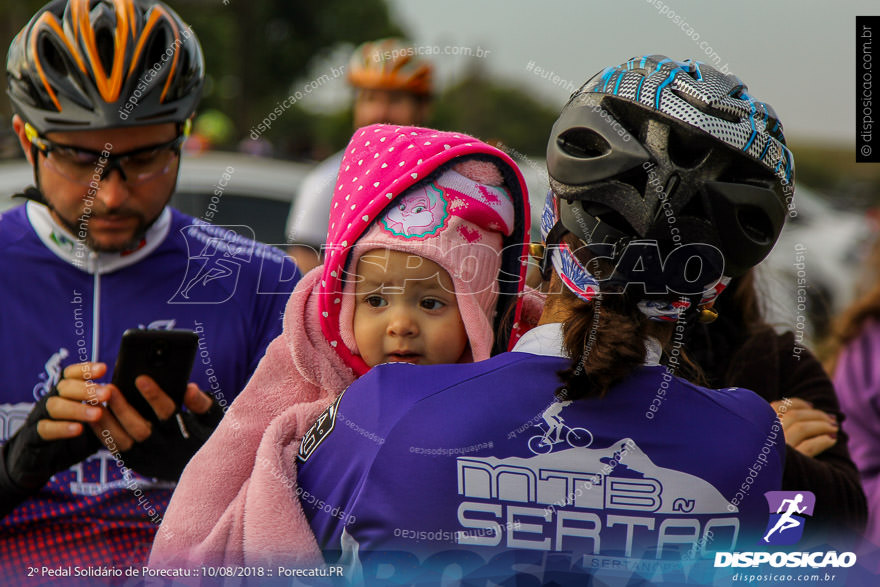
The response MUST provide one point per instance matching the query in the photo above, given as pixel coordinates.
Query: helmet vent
(755, 224)
(158, 43)
(687, 150)
(583, 143)
(106, 48)
(738, 91)
(156, 115)
(707, 107)
(610, 217)
(66, 122)
(636, 177)
(694, 208)
(52, 56)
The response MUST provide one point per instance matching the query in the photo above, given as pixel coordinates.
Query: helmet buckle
(708, 314)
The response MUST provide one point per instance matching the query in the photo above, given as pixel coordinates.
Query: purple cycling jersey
(417, 467)
(63, 304)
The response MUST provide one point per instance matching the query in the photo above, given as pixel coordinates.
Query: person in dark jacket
(741, 349)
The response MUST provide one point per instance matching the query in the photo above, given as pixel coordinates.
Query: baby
(425, 257)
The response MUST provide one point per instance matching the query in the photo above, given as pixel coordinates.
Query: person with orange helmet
(392, 85)
(103, 93)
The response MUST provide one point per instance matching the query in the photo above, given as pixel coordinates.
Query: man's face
(116, 215)
(390, 107)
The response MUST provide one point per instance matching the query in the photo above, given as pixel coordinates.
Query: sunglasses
(84, 166)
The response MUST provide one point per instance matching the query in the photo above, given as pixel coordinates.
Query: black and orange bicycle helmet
(390, 64)
(93, 64)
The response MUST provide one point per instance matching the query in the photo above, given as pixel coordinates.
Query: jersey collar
(546, 340)
(58, 240)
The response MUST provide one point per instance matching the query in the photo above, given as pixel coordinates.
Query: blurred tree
(13, 16)
(255, 50)
(832, 169)
(495, 110)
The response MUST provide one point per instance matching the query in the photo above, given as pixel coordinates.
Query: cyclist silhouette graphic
(575, 437)
(787, 522)
(554, 420)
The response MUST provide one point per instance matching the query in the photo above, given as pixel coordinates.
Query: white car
(15, 175)
(813, 270)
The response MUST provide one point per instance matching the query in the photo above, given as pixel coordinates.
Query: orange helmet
(389, 64)
(92, 64)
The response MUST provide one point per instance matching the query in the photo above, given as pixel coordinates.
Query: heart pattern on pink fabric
(470, 235)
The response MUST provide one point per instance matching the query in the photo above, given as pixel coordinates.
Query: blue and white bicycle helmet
(673, 151)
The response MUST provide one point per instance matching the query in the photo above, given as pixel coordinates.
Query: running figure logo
(787, 508)
(575, 437)
(215, 258)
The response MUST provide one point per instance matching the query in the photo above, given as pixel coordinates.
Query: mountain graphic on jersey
(574, 498)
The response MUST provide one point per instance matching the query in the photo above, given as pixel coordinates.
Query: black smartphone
(165, 355)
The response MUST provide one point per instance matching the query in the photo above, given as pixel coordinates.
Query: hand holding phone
(166, 356)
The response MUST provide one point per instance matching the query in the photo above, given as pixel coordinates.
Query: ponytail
(606, 343)
(604, 338)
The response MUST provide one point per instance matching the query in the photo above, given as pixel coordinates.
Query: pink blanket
(243, 510)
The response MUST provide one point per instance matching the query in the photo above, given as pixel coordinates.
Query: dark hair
(605, 338)
(744, 300)
(741, 321)
(851, 323)
(865, 308)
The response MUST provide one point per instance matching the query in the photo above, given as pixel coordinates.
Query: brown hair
(605, 338)
(852, 321)
(745, 301)
(850, 324)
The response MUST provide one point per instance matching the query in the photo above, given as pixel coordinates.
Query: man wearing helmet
(392, 85)
(103, 94)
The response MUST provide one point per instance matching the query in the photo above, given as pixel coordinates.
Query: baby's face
(406, 311)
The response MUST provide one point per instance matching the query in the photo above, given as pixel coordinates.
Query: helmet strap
(553, 238)
(35, 194)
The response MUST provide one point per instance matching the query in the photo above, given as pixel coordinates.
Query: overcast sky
(798, 55)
